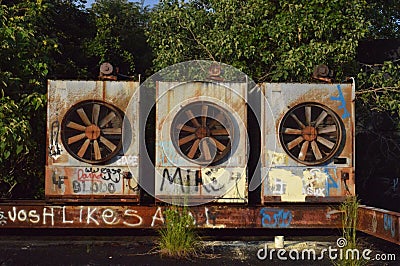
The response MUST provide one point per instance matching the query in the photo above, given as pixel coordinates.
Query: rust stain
(379, 223)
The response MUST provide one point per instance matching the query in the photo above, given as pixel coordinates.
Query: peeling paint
(294, 185)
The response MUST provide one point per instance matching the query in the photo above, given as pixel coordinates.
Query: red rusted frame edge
(379, 223)
(14, 215)
(30, 214)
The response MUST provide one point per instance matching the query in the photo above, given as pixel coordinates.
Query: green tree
(268, 40)
(25, 54)
(120, 36)
(69, 23)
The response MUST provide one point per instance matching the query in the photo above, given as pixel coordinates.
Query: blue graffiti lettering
(341, 99)
(395, 184)
(388, 224)
(330, 182)
(280, 218)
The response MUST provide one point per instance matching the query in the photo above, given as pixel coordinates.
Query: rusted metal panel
(86, 155)
(380, 223)
(201, 141)
(307, 142)
(207, 216)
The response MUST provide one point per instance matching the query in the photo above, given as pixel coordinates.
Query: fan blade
(83, 149)
(219, 145)
(107, 119)
(292, 131)
(303, 150)
(186, 139)
(193, 149)
(83, 116)
(219, 132)
(218, 119)
(186, 128)
(97, 153)
(316, 151)
(325, 142)
(76, 126)
(204, 110)
(206, 150)
(108, 143)
(301, 125)
(308, 115)
(192, 118)
(95, 114)
(76, 138)
(320, 118)
(295, 142)
(328, 129)
(112, 131)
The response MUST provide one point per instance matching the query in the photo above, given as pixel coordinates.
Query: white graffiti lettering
(133, 213)
(157, 216)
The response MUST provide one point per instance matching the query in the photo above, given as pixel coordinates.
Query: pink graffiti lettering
(82, 176)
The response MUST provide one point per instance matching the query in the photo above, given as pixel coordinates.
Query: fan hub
(92, 132)
(202, 132)
(309, 133)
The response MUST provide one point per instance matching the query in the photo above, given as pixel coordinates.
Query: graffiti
(315, 182)
(31, 216)
(295, 186)
(388, 224)
(330, 182)
(209, 215)
(317, 192)
(395, 184)
(139, 216)
(280, 218)
(3, 218)
(279, 186)
(106, 174)
(58, 180)
(197, 178)
(171, 179)
(129, 176)
(132, 213)
(210, 179)
(86, 216)
(374, 223)
(129, 160)
(158, 216)
(54, 148)
(341, 99)
(93, 187)
(212, 184)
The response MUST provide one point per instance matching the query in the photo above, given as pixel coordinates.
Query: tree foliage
(25, 53)
(120, 35)
(268, 40)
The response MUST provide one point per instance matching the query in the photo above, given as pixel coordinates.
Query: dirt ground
(108, 248)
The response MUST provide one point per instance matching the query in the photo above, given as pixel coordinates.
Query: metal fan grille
(202, 132)
(310, 133)
(92, 131)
